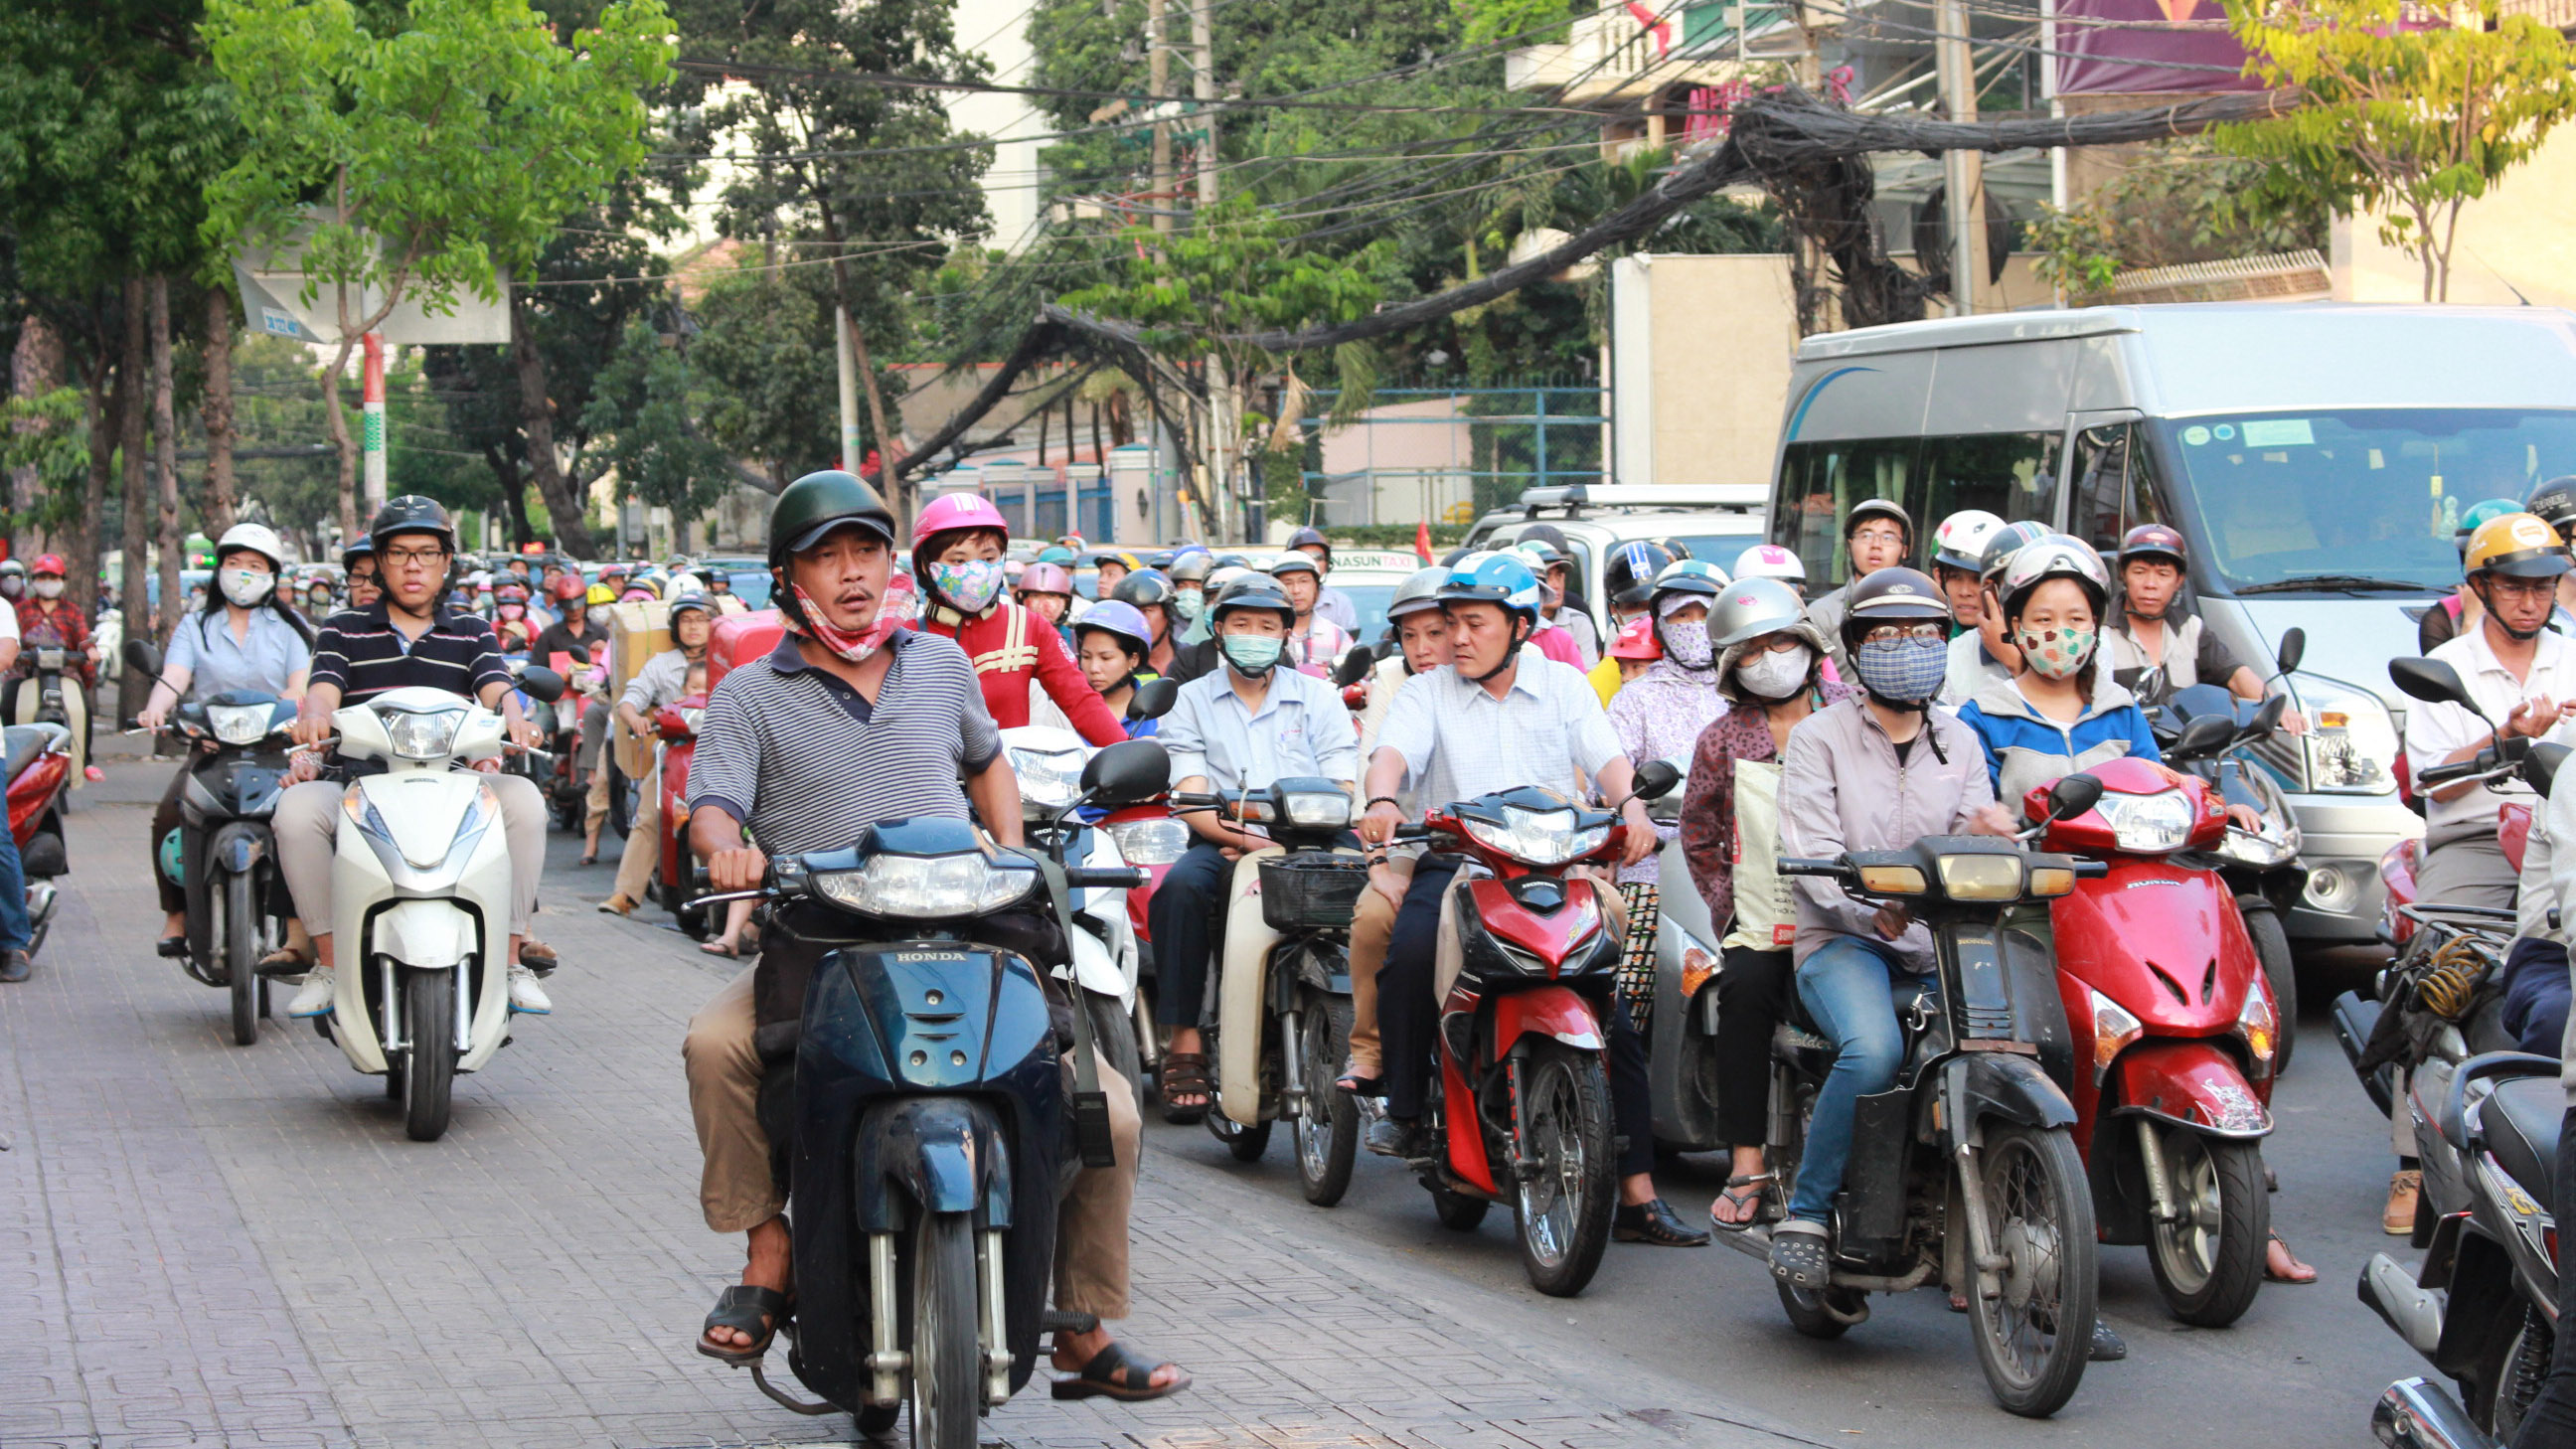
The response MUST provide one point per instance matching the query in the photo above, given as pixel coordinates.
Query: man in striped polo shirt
(854, 720)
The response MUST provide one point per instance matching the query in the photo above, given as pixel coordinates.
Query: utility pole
(1963, 173)
(1158, 58)
(1222, 443)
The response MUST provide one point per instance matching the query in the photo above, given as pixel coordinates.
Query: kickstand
(786, 1400)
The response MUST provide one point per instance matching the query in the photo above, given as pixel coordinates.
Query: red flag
(1422, 541)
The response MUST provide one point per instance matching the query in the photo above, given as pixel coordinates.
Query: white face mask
(248, 588)
(1775, 675)
(49, 588)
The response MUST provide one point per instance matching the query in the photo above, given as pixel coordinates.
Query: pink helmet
(950, 512)
(1770, 561)
(1046, 578)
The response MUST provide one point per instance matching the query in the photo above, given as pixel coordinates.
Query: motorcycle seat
(2520, 1123)
(20, 744)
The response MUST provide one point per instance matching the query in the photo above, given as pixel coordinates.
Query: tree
(427, 160)
(2177, 202)
(2399, 117)
(642, 408)
(764, 353)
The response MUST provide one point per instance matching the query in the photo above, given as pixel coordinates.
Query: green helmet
(817, 503)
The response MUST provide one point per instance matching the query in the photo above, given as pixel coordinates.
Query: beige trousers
(1372, 929)
(308, 836)
(643, 852)
(737, 1193)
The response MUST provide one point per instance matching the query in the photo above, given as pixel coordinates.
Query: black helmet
(1897, 595)
(1546, 533)
(1629, 574)
(412, 513)
(817, 503)
(357, 549)
(1253, 591)
(1193, 567)
(1143, 587)
(2554, 502)
(1315, 536)
(1869, 508)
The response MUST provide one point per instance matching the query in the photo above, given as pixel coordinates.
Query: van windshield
(2364, 500)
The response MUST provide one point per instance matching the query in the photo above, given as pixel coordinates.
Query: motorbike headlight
(2259, 1027)
(240, 724)
(2148, 824)
(1048, 781)
(691, 716)
(1538, 837)
(2261, 851)
(2351, 744)
(1317, 809)
(2113, 1029)
(427, 736)
(928, 888)
(1981, 877)
(1151, 842)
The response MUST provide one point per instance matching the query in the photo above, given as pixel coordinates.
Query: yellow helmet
(602, 594)
(2516, 545)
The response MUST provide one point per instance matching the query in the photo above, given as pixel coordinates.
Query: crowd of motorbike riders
(1901, 704)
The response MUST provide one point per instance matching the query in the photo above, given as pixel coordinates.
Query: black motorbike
(926, 1119)
(1965, 1173)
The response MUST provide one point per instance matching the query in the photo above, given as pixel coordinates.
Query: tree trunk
(165, 461)
(342, 444)
(217, 411)
(36, 368)
(106, 411)
(537, 424)
(514, 497)
(134, 494)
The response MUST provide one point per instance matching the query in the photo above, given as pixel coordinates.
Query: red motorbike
(671, 887)
(37, 761)
(1523, 1111)
(2156, 969)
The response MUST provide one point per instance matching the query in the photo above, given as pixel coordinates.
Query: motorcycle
(1284, 1012)
(224, 853)
(1680, 1007)
(2157, 970)
(672, 887)
(567, 784)
(421, 897)
(1522, 1114)
(37, 762)
(1965, 1172)
(926, 1112)
(52, 699)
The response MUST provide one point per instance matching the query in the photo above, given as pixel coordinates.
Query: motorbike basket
(1311, 890)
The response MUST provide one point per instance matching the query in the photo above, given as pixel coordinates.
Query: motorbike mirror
(1126, 773)
(2268, 718)
(2430, 680)
(2294, 647)
(541, 684)
(2072, 795)
(1154, 699)
(2540, 765)
(142, 658)
(1355, 665)
(2201, 738)
(1656, 779)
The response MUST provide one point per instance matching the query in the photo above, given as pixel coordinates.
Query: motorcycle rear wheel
(947, 1381)
(237, 925)
(2280, 971)
(2034, 1338)
(1563, 1209)
(2209, 1265)
(1115, 1037)
(1458, 1212)
(1327, 1130)
(429, 1063)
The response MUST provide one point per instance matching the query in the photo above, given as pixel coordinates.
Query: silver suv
(1716, 523)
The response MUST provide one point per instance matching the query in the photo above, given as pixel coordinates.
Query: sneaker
(314, 999)
(1395, 1137)
(15, 966)
(526, 995)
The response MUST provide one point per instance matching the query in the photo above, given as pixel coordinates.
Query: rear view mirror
(2430, 680)
(2201, 738)
(1355, 665)
(2268, 718)
(1127, 773)
(1154, 698)
(541, 684)
(142, 658)
(1656, 779)
(2074, 794)
(2294, 647)
(2540, 766)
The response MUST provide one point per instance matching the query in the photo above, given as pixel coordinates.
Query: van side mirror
(1656, 779)
(2294, 647)
(1127, 773)
(142, 657)
(1154, 698)
(2431, 681)
(2072, 795)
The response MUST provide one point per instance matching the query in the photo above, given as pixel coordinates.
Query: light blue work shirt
(265, 660)
(1301, 727)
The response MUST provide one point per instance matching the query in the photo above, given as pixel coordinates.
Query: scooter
(2158, 973)
(928, 1114)
(1523, 1111)
(57, 700)
(421, 897)
(1283, 1014)
(1681, 1020)
(671, 887)
(2210, 733)
(37, 762)
(1965, 1173)
(224, 853)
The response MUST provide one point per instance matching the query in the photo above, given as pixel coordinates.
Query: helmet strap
(2519, 636)
(1511, 654)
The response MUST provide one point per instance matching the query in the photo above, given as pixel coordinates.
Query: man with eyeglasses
(406, 639)
(1877, 534)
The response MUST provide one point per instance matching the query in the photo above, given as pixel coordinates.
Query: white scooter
(421, 897)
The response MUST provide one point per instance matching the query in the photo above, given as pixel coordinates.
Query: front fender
(1979, 1085)
(238, 845)
(2193, 1083)
(946, 1154)
(425, 932)
(1552, 1011)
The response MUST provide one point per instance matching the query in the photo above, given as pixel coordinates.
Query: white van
(2316, 458)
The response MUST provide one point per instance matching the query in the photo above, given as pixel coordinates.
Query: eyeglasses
(1916, 633)
(1783, 643)
(2522, 588)
(1878, 535)
(406, 558)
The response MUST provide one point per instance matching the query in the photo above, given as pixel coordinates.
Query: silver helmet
(1419, 591)
(1750, 608)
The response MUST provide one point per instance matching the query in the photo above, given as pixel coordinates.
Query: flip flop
(2291, 1278)
(1115, 1374)
(1761, 1184)
(719, 948)
(756, 1311)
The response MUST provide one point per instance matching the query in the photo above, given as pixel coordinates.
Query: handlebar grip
(2461, 770)
(2092, 869)
(1411, 832)
(1793, 865)
(1107, 878)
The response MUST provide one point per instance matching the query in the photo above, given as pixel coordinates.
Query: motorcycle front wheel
(1327, 1127)
(237, 930)
(2035, 1334)
(947, 1380)
(1563, 1205)
(2209, 1263)
(429, 1062)
(1115, 1038)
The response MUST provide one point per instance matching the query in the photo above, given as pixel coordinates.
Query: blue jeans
(16, 931)
(1846, 988)
(2536, 994)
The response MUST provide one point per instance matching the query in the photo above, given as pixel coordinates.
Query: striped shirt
(805, 762)
(361, 653)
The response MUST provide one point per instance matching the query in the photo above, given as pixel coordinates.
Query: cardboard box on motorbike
(637, 632)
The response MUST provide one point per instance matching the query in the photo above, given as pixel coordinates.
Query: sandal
(1798, 1256)
(1116, 1374)
(2293, 1273)
(1185, 1074)
(756, 1311)
(1754, 1190)
(719, 948)
(1359, 1083)
(285, 961)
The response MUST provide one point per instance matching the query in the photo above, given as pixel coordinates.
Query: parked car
(1715, 522)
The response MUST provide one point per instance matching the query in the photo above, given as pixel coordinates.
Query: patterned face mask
(971, 586)
(1902, 671)
(1687, 643)
(854, 645)
(2056, 653)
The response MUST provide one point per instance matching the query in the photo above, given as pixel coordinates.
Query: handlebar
(1107, 877)
(2482, 763)
(1795, 865)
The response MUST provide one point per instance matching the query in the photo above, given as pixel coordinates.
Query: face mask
(2055, 653)
(12, 587)
(598, 617)
(514, 611)
(971, 587)
(1774, 675)
(247, 587)
(1902, 671)
(1188, 604)
(49, 588)
(1687, 643)
(854, 645)
(1252, 655)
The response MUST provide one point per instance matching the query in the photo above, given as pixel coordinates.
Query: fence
(1447, 454)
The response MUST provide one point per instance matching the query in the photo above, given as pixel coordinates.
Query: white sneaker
(315, 997)
(526, 995)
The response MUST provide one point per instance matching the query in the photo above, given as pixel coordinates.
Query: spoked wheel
(947, 1388)
(236, 927)
(1327, 1128)
(429, 1062)
(2034, 1333)
(1564, 1200)
(2210, 1262)
(2272, 948)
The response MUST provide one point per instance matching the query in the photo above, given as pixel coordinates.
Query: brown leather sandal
(1185, 1074)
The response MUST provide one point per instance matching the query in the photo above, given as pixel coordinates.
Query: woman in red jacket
(957, 545)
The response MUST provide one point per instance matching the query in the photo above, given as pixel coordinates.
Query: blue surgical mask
(1187, 604)
(1902, 671)
(1252, 655)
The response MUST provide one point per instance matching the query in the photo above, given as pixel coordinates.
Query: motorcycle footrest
(1056, 1320)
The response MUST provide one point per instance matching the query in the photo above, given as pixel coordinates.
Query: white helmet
(259, 538)
(1960, 542)
(2056, 556)
(1770, 561)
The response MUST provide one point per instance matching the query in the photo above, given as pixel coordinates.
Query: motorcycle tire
(1244, 1144)
(1563, 1210)
(429, 1062)
(2209, 1265)
(2272, 948)
(1326, 1131)
(2034, 1338)
(1810, 1314)
(2507, 1377)
(1457, 1212)
(239, 933)
(621, 800)
(1116, 1041)
(947, 1379)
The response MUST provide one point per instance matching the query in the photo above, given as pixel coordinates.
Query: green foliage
(1532, 20)
(642, 408)
(2179, 201)
(276, 405)
(50, 434)
(2408, 123)
(765, 356)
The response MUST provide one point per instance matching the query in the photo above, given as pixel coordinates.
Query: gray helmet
(1751, 608)
(2007, 542)
(1891, 596)
(1253, 591)
(1192, 568)
(1293, 562)
(1419, 591)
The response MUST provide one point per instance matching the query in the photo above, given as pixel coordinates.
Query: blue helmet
(1493, 578)
(1121, 621)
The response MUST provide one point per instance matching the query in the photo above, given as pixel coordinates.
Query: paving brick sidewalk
(207, 1245)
